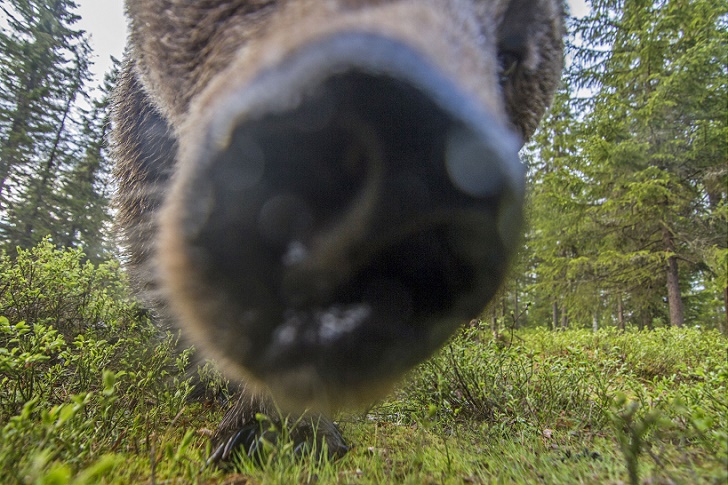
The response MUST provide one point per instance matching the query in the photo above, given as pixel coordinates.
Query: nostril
(319, 194)
(284, 219)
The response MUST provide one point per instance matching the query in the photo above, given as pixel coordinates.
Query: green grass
(567, 407)
(91, 393)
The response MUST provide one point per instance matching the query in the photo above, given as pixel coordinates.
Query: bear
(319, 193)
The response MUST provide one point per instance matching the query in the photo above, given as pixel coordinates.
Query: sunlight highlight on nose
(472, 166)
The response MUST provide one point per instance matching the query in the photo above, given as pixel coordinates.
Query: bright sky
(104, 21)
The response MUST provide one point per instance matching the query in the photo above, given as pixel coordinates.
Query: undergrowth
(660, 395)
(92, 392)
(83, 373)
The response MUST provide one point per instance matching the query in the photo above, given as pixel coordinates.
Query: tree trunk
(674, 299)
(42, 189)
(724, 325)
(555, 315)
(645, 318)
(620, 313)
(494, 318)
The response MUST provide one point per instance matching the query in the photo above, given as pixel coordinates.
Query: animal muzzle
(338, 218)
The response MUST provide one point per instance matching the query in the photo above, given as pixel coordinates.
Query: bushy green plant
(104, 400)
(502, 382)
(45, 285)
(83, 373)
(651, 391)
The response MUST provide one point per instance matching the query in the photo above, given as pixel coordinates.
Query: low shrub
(644, 388)
(82, 371)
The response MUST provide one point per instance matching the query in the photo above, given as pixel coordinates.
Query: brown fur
(184, 57)
(179, 46)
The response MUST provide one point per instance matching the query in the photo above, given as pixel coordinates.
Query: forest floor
(523, 407)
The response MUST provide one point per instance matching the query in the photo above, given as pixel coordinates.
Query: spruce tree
(45, 73)
(631, 217)
(86, 188)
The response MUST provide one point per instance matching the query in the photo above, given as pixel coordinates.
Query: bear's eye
(509, 61)
(512, 52)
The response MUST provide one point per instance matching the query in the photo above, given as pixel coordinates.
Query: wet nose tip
(311, 220)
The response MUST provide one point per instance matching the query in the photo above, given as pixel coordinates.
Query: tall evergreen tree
(644, 181)
(38, 54)
(86, 188)
(45, 76)
(38, 211)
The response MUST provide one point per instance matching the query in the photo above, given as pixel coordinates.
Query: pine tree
(45, 73)
(654, 98)
(556, 237)
(629, 204)
(86, 188)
